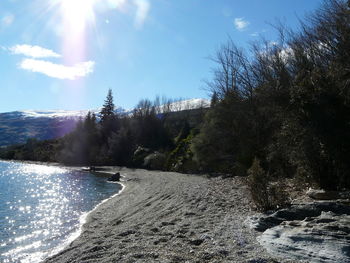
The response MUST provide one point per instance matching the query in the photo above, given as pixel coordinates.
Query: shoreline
(82, 221)
(168, 217)
(165, 217)
(83, 217)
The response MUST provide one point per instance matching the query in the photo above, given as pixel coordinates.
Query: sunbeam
(78, 13)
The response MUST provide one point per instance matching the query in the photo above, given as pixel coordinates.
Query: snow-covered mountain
(18, 126)
(53, 114)
(181, 105)
(189, 104)
(67, 114)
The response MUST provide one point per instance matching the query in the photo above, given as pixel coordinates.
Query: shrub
(181, 158)
(265, 195)
(155, 161)
(258, 185)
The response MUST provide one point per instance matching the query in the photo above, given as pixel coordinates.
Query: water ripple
(41, 208)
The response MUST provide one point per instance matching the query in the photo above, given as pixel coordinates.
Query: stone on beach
(317, 232)
(115, 177)
(327, 195)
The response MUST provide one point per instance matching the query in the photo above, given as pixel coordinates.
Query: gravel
(169, 217)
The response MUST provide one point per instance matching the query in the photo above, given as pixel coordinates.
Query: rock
(138, 255)
(141, 150)
(127, 233)
(190, 214)
(196, 242)
(318, 232)
(223, 252)
(114, 178)
(259, 260)
(155, 229)
(155, 161)
(327, 195)
(140, 154)
(296, 212)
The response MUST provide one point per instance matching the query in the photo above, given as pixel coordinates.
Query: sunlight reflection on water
(41, 208)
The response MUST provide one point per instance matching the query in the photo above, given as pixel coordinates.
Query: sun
(77, 14)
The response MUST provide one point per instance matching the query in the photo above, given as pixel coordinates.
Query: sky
(66, 54)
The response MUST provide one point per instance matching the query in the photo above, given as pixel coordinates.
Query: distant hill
(17, 126)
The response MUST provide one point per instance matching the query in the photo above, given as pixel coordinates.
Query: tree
(287, 104)
(109, 120)
(121, 146)
(149, 128)
(214, 99)
(318, 120)
(107, 110)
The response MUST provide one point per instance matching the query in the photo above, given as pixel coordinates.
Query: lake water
(42, 208)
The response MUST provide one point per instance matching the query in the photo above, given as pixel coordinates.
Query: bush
(139, 156)
(265, 195)
(155, 161)
(258, 186)
(181, 158)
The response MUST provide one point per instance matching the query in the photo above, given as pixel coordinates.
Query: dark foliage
(141, 140)
(286, 104)
(266, 195)
(32, 150)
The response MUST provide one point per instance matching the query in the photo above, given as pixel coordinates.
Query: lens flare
(77, 13)
(77, 20)
(74, 23)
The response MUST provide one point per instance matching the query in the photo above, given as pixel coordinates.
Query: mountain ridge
(18, 126)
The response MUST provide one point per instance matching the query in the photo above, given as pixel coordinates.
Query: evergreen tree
(109, 120)
(107, 111)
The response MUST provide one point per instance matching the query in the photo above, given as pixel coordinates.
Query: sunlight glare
(41, 169)
(77, 13)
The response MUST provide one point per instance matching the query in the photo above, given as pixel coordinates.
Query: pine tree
(107, 111)
(109, 120)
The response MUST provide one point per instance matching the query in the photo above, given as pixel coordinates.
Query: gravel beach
(169, 217)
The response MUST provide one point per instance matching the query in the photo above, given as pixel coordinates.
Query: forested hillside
(284, 103)
(17, 127)
(143, 138)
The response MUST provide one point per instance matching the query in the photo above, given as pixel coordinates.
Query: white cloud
(142, 10)
(7, 20)
(57, 70)
(50, 69)
(33, 51)
(240, 23)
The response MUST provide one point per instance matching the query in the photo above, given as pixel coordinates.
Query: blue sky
(66, 54)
